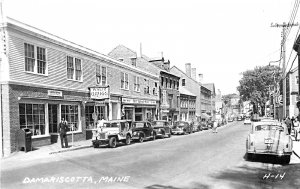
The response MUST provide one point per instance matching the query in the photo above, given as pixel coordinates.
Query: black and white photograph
(150, 94)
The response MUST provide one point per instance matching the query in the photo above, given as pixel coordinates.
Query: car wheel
(286, 160)
(96, 145)
(128, 140)
(112, 142)
(169, 135)
(141, 138)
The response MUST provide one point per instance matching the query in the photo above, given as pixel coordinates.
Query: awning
(204, 115)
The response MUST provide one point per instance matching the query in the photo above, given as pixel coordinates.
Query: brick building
(168, 85)
(44, 78)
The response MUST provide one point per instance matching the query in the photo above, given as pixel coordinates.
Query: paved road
(199, 160)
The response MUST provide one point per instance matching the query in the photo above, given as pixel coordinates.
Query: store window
(93, 114)
(71, 114)
(33, 65)
(32, 116)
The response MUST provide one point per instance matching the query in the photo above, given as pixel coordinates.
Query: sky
(221, 39)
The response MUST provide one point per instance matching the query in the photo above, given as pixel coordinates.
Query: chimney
(200, 78)
(188, 69)
(194, 73)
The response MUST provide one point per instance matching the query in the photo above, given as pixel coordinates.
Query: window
(124, 81)
(162, 82)
(166, 85)
(136, 83)
(74, 72)
(92, 114)
(133, 61)
(41, 60)
(183, 82)
(32, 116)
(170, 99)
(70, 114)
(35, 65)
(171, 82)
(147, 87)
(297, 79)
(101, 74)
(177, 87)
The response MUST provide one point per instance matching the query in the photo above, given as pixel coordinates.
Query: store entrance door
(52, 114)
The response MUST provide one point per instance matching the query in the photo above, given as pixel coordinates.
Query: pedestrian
(63, 128)
(288, 123)
(296, 129)
(215, 126)
(100, 122)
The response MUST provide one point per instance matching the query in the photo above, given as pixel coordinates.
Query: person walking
(296, 129)
(288, 123)
(63, 128)
(215, 126)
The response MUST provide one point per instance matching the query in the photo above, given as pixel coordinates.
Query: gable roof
(185, 74)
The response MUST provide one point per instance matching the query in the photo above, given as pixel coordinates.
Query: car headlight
(134, 133)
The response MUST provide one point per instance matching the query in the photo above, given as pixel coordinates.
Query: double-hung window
(147, 86)
(124, 81)
(74, 68)
(35, 59)
(101, 75)
(136, 83)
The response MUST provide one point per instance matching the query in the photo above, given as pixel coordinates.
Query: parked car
(269, 138)
(230, 119)
(142, 130)
(181, 127)
(239, 118)
(197, 126)
(112, 133)
(204, 125)
(162, 128)
(247, 121)
(209, 124)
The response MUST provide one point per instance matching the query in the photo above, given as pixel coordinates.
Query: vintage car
(230, 119)
(240, 118)
(196, 126)
(162, 128)
(112, 132)
(247, 121)
(181, 127)
(142, 130)
(269, 138)
(204, 125)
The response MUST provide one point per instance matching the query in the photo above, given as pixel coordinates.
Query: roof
(182, 90)
(210, 86)
(175, 67)
(10, 22)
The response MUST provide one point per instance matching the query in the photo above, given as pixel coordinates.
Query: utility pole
(283, 42)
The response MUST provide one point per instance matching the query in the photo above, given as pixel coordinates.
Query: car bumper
(100, 142)
(264, 152)
(177, 132)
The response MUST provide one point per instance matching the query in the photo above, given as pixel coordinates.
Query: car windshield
(111, 125)
(268, 127)
(159, 124)
(180, 124)
(138, 125)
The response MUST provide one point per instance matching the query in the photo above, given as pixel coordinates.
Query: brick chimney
(188, 69)
(194, 73)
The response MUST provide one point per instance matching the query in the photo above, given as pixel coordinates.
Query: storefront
(139, 109)
(41, 110)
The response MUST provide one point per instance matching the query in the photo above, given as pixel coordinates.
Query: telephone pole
(283, 42)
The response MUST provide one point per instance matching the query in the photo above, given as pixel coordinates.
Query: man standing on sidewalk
(63, 133)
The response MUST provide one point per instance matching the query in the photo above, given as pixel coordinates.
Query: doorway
(52, 114)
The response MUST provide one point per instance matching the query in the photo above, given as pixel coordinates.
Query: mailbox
(24, 139)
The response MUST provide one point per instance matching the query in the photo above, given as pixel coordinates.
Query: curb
(71, 149)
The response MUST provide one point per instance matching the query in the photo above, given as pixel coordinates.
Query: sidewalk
(296, 147)
(47, 151)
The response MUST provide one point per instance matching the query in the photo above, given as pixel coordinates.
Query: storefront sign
(54, 93)
(99, 92)
(138, 101)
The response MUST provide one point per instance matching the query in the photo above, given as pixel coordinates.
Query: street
(199, 160)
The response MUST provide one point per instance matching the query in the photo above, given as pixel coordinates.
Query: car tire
(141, 138)
(169, 135)
(127, 140)
(286, 159)
(113, 142)
(96, 145)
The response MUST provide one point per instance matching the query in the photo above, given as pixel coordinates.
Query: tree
(254, 85)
